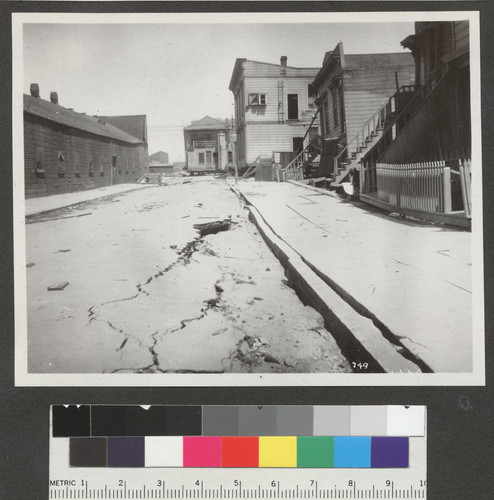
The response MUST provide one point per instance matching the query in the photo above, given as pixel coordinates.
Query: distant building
(274, 108)
(159, 156)
(135, 125)
(66, 151)
(351, 88)
(206, 145)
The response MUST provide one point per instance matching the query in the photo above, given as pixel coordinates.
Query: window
(201, 158)
(40, 163)
(61, 166)
(311, 96)
(91, 167)
(257, 99)
(77, 166)
(230, 156)
(335, 99)
(292, 106)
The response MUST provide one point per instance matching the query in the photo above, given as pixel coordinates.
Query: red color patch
(240, 451)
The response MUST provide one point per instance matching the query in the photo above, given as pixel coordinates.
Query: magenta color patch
(204, 451)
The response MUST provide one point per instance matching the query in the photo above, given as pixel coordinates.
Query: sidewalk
(412, 280)
(46, 203)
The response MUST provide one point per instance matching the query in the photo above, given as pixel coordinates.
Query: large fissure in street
(182, 282)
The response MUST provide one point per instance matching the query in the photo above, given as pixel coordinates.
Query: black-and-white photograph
(239, 199)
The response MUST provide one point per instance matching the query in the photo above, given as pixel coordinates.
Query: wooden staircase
(296, 168)
(367, 137)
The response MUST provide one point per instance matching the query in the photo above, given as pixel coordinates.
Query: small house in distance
(274, 109)
(206, 146)
(159, 156)
(66, 151)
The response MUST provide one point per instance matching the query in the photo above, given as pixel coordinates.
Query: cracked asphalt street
(148, 293)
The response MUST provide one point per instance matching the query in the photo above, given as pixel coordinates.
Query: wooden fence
(419, 186)
(281, 174)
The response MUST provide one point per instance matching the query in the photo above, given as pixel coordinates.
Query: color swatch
(238, 436)
(244, 451)
(116, 420)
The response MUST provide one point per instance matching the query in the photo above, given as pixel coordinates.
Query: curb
(357, 336)
(72, 203)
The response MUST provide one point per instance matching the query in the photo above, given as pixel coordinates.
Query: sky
(177, 72)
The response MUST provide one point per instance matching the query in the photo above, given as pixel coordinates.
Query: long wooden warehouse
(66, 151)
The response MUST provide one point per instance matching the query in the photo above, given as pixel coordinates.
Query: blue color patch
(352, 451)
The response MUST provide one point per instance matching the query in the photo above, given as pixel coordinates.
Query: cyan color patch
(352, 451)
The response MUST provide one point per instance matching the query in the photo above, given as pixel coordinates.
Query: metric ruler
(77, 470)
(334, 485)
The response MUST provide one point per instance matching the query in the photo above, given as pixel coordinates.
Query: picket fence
(422, 186)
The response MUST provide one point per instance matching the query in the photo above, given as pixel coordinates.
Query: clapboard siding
(263, 139)
(261, 129)
(82, 154)
(365, 91)
(269, 86)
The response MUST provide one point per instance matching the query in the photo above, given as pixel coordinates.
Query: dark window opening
(230, 156)
(298, 144)
(40, 163)
(77, 168)
(335, 98)
(292, 106)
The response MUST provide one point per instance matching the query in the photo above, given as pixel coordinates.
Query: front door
(298, 144)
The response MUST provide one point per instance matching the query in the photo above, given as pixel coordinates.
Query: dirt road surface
(142, 291)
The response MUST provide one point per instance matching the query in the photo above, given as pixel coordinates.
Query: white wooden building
(274, 106)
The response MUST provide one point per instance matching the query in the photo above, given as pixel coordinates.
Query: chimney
(54, 97)
(283, 61)
(34, 89)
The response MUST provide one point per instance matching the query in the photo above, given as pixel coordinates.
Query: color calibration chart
(115, 451)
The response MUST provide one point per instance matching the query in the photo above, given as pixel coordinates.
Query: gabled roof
(69, 118)
(208, 123)
(338, 59)
(134, 125)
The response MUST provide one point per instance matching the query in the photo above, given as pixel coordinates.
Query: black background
(460, 419)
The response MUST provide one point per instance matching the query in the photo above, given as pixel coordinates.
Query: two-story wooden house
(351, 88)
(274, 108)
(207, 145)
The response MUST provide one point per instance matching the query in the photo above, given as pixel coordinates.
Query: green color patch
(315, 451)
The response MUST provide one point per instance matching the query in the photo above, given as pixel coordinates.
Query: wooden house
(421, 163)
(350, 89)
(66, 151)
(206, 145)
(274, 109)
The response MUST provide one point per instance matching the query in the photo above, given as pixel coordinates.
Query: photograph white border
(23, 378)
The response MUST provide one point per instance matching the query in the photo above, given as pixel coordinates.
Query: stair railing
(313, 148)
(377, 121)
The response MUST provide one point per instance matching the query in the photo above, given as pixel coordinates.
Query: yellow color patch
(277, 451)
